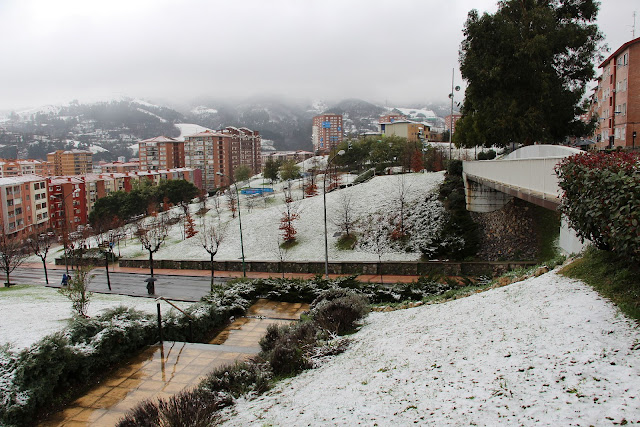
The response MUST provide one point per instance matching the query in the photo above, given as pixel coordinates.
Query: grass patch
(346, 242)
(13, 287)
(289, 245)
(613, 278)
(547, 224)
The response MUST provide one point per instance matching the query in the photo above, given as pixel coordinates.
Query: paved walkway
(235, 274)
(165, 369)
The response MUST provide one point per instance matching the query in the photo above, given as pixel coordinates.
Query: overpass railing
(529, 175)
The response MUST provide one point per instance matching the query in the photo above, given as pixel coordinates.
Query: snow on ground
(30, 313)
(413, 112)
(187, 129)
(260, 226)
(545, 351)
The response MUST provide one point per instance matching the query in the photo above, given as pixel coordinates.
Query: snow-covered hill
(546, 351)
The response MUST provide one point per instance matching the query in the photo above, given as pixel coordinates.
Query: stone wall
(449, 268)
(508, 233)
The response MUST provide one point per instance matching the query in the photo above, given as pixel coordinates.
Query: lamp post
(244, 270)
(65, 235)
(324, 202)
(456, 89)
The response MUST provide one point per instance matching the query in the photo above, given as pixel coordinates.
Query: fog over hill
(111, 128)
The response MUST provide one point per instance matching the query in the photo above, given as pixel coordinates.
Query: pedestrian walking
(65, 280)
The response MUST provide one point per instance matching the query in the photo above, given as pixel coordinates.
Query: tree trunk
(8, 282)
(212, 271)
(151, 262)
(46, 276)
(106, 266)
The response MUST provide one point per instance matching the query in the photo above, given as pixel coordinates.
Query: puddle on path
(161, 371)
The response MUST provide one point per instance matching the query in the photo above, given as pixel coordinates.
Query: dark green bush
(364, 177)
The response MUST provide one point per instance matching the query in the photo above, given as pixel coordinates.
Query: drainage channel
(163, 370)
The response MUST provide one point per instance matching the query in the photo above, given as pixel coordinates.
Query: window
(10, 202)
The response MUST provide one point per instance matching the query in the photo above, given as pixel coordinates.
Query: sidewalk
(233, 274)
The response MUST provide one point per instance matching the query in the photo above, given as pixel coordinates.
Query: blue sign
(326, 125)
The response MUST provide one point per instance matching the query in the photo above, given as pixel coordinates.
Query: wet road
(182, 288)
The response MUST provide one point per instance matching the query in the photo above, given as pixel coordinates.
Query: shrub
(195, 408)
(289, 354)
(601, 199)
(238, 379)
(339, 315)
(364, 177)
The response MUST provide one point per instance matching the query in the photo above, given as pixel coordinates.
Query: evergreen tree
(527, 68)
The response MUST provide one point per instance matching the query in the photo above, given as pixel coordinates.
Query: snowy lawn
(548, 350)
(261, 234)
(260, 226)
(29, 313)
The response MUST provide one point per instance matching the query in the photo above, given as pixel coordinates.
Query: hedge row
(601, 199)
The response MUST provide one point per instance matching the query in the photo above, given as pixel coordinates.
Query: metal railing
(191, 319)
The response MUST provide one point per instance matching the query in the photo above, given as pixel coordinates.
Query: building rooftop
(21, 179)
(620, 49)
(161, 138)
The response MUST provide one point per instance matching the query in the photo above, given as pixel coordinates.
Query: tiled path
(163, 370)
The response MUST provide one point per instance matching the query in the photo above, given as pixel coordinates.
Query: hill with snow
(544, 351)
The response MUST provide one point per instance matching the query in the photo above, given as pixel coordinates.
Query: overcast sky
(400, 51)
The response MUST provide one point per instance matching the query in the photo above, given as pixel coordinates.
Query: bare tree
(281, 251)
(345, 218)
(106, 233)
(78, 290)
(12, 254)
(211, 236)
(216, 203)
(375, 237)
(152, 232)
(232, 202)
(401, 199)
(40, 246)
(289, 215)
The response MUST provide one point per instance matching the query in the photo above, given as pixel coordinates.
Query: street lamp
(456, 89)
(324, 201)
(65, 236)
(244, 270)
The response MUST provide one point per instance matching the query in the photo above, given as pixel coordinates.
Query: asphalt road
(180, 288)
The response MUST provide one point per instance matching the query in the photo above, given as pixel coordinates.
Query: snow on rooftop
(545, 351)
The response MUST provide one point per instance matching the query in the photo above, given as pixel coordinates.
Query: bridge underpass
(528, 174)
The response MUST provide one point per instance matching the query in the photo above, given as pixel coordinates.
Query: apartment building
(616, 98)
(71, 162)
(390, 118)
(282, 156)
(161, 152)
(11, 167)
(414, 132)
(67, 203)
(213, 152)
(119, 167)
(450, 122)
(326, 132)
(24, 202)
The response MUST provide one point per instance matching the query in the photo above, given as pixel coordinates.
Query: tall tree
(270, 171)
(242, 173)
(527, 67)
(289, 170)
